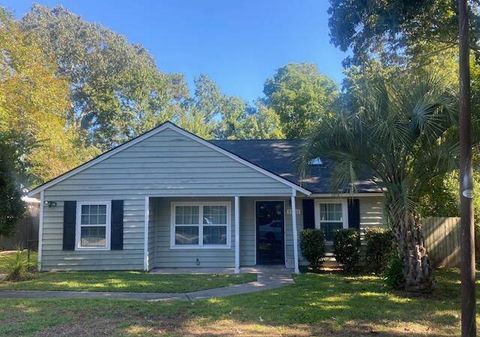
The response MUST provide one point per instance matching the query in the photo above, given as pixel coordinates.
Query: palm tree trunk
(416, 264)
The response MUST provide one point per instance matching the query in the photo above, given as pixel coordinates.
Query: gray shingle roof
(280, 157)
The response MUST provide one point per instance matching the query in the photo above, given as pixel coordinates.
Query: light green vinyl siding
(166, 257)
(131, 257)
(166, 164)
(371, 212)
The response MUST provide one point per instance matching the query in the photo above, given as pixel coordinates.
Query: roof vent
(315, 162)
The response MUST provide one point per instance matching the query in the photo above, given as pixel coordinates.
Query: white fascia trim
(171, 126)
(346, 195)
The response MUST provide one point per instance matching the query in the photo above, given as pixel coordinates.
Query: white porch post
(295, 235)
(40, 230)
(237, 234)
(145, 242)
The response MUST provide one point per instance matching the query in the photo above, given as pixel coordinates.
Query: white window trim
(331, 201)
(78, 225)
(201, 205)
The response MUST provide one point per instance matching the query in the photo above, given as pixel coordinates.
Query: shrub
(380, 246)
(312, 243)
(19, 268)
(394, 277)
(346, 246)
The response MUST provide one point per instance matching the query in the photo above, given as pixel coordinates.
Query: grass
(317, 305)
(119, 281)
(7, 257)
(127, 281)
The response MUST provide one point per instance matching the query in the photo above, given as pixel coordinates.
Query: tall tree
(200, 113)
(394, 31)
(398, 31)
(211, 114)
(116, 89)
(261, 123)
(33, 106)
(301, 97)
(400, 131)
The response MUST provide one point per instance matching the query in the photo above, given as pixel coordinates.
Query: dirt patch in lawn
(82, 326)
(223, 328)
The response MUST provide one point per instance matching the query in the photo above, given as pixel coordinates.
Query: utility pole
(469, 328)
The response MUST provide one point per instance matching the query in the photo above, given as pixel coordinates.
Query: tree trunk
(416, 264)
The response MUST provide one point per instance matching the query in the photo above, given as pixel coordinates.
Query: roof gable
(151, 133)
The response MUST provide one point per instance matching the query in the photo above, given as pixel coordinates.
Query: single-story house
(169, 198)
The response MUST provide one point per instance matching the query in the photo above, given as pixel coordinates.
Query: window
(331, 215)
(200, 225)
(93, 225)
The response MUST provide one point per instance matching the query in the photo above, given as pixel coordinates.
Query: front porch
(206, 234)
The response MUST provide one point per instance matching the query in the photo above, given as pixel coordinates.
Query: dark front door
(270, 235)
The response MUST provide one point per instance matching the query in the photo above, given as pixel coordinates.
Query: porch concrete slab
(265, 281)
(243, 270)
(193, 271)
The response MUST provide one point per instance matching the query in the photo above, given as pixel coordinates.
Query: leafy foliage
(346, 247)
(12, 207)
(380, 246)
(403, 132)
(394, 276)
(19, 268)
(394, 31)
(115, 87)
(312, 244)
(33, 107)
(211, 114)
(301, 96)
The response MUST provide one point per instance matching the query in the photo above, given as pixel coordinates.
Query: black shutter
(354, 213)
(69, 220)
(308, 214)
(117, 225)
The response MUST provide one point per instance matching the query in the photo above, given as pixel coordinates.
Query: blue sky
(238, 43)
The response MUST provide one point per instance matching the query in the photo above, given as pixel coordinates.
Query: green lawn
(119, 281)
(317, 305)
(127, 281)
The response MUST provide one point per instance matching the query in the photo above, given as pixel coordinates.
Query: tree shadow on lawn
(127, 281)
(317, 305)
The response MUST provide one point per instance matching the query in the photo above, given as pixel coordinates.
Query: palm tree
(401, 132)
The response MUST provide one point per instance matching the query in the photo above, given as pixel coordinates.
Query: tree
(301, 97)
(12, 207)
(399, 133)
(35, 100)
(261, 123)
(241, 121)
(395, 31)
(116, 89)
(211, 114)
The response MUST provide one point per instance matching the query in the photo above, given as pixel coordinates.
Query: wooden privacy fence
(25, 235)
(442, 240)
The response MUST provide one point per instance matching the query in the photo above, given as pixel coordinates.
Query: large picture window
(200, 225)
(331, 216)
(93, 225)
